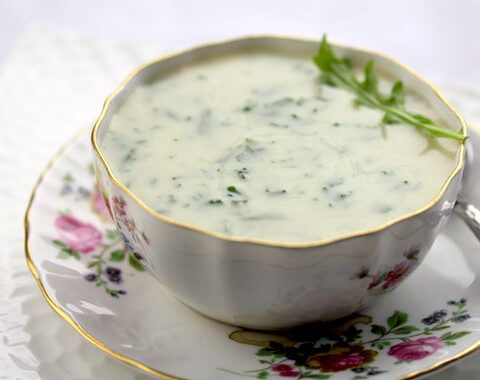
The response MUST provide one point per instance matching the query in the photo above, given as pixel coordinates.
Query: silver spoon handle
(470, 215)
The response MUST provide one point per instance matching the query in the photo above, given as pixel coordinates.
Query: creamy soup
(251, 144)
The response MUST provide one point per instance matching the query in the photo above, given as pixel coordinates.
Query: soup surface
(251, 144)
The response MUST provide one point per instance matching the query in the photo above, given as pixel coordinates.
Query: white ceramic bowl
(272, 285)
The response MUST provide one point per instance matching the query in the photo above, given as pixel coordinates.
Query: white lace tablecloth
(51, 85)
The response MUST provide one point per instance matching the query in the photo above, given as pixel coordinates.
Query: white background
(439, 38)
(60, 58)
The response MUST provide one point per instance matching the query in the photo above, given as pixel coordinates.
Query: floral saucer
(90, 279)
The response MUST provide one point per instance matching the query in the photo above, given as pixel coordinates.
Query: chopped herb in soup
(255, 144)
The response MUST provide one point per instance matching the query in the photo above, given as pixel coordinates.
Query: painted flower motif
(119, 206)
(435, 317)
(461, 301)
(460, 318)
(399, 272)
(90, 277)
(145, 238)
(416, 349)
(285, 370)
(127, 242)
(131, 248)
(129, 224)
(99, 206)
(377, 279)
(281, 367)
(134, 238)
(412, 253)
(289, 373)
(114, 274)
(368, 371)
(77, 235)
(394, 276)
(341, 346)
(105, 269)
(66, 189)
(138, 256)
(342, 357)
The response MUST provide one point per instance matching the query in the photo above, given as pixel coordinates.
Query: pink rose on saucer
(285, 370)
(416, 349)
(77, 235)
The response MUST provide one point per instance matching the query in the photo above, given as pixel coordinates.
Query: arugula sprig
(338, 72)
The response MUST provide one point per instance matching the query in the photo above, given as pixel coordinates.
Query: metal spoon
(465, 210)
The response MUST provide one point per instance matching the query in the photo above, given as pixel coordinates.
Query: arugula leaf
(338, 72)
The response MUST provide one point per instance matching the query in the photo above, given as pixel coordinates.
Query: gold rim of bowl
(270, 243)
(125, 359)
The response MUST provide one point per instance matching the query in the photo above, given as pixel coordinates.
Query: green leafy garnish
(338, 72)
(215, 202)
